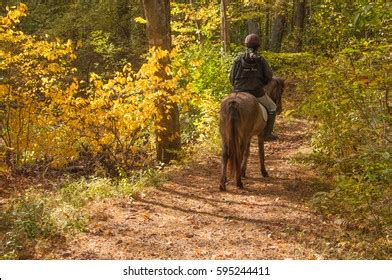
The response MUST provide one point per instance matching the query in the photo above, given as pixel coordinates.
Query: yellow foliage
(45, 117)
(32, 94)
(185, 16)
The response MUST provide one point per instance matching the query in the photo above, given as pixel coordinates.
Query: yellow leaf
(140, 20)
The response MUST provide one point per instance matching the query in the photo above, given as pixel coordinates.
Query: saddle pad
(264, 111)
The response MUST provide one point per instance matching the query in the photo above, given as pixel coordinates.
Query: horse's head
(275, 90)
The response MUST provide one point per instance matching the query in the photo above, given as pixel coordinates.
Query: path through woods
(189, 218)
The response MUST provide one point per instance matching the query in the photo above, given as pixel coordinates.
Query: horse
(241, 117)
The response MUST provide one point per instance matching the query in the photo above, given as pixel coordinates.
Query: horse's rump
(244, 109)
(238, 114)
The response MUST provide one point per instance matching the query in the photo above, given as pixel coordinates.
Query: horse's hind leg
(245, 159)
(238, 178)
(261, 155)
(238, 171)
(225, 158)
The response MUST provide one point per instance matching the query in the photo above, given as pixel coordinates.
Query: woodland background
(93, 100)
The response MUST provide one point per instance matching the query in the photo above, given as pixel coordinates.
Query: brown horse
(241, 117)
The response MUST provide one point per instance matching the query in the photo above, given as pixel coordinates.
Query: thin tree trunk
(197, 24)
(253, 25)
(267, 25)
(3, 4)
(225, 26)
(278, 26)
(157, 13)
(299, 20)
(124, 18)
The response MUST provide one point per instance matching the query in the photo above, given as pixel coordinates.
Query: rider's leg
(271, 108)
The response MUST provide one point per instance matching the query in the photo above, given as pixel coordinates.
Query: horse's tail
(234, 136)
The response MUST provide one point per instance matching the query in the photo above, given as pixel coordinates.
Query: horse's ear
(281, 82)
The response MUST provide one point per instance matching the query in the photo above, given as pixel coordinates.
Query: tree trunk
(157, 13)
(299, 19)
(267, 26)
(225, 26)
(124, 17)
(197, 23)
(253, 26)
(278, 26)
(3, 4)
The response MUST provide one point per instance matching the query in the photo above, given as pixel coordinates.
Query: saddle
(264, 112)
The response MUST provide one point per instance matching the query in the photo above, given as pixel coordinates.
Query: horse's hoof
(264, 173)
(222, 188)
(240, 186)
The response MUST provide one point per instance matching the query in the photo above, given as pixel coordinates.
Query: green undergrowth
(356, 196)
(345, 99)
(42, 215)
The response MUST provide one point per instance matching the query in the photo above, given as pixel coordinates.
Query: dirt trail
(188, 218)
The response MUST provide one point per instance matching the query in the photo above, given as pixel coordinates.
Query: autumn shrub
(352, 134)
(194, 27)
(195, 22)
(50, 119)
(117, 119)
(208, 81)
(34, 86)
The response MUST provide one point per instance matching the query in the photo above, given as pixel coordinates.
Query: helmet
(252, 41)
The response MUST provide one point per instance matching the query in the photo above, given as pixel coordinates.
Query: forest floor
(187, 217)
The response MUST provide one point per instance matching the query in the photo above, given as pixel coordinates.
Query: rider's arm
(233, 72)
(267, 72)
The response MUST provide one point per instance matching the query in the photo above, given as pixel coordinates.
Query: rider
(250, 73)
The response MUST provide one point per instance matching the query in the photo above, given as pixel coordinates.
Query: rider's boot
(268, 135)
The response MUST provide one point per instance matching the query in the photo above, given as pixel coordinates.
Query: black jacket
(250, 75)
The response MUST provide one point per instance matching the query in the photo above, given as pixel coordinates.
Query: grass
(41, 215)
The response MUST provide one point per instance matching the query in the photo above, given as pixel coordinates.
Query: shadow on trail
(288, 187)
(213, 201)
(283, 226)
(258, 222)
